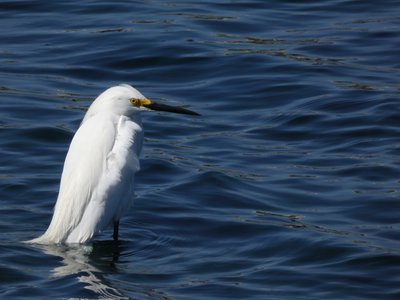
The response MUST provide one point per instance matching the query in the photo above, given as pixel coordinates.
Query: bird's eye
(135, 102)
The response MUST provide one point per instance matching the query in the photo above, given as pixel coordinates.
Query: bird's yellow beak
(161, 107)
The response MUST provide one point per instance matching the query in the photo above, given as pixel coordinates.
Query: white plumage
(97, 181)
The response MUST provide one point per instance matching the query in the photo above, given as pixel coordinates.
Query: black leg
(115, 235)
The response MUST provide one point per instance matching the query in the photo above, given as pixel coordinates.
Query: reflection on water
(89, 263)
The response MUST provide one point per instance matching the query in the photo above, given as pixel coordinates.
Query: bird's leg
(115, 234)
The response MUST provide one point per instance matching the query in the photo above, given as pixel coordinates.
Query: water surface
(287, 187)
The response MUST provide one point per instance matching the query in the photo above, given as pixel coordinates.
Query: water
(286, 188)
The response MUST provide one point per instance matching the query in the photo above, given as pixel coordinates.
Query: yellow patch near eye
(139, 102)
(135, 101)
(145, 102)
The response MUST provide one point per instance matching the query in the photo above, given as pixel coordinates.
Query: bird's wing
(113, 193)
(83, 168)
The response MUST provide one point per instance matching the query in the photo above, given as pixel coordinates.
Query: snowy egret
(96, 185)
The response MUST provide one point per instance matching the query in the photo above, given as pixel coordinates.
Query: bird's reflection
(89, 263)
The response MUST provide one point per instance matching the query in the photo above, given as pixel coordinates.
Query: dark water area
(287, 186)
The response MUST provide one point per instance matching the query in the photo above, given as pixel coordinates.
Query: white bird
(97, 180)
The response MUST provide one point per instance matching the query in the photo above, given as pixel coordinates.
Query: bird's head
(126, 100)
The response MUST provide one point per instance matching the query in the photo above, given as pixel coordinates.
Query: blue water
(287, 187)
